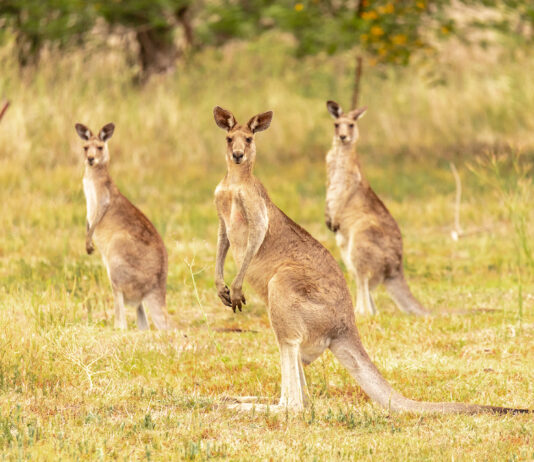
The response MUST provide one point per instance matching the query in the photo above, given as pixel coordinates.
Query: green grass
(72, 388)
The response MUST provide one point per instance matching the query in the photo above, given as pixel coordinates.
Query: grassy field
(73, 388)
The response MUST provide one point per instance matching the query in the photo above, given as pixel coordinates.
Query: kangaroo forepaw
(238, 303)
(89, 247)
(224, 295)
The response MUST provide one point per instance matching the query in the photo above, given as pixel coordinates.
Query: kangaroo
(307, 298)
(367, 235)
(133, 251)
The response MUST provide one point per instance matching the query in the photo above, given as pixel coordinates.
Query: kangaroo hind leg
(142, 321)
(294, 393)
(155, 302)
(285, 309)
(120, 312)
(364, 300)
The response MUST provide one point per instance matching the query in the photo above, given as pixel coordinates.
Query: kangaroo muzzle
(237, 156)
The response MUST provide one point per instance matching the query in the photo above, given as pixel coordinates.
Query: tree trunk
(157, 51)
(28, 48)
(183, 17)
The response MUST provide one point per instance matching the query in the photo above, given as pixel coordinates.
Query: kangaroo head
(345, 127)
(95, 147)
(240, 146)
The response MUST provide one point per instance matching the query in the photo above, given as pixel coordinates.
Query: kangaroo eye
(229, 139)
(249, 139)
(351, 125)
(100, 148)
(336, 125)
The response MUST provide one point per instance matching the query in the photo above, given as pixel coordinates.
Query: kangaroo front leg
(223, 244)
(331, 222)
(89, 247)
(328, 217)
(258, 223)
(101, 210)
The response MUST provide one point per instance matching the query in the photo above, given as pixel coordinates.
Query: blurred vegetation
(388, 31)
(37, 24)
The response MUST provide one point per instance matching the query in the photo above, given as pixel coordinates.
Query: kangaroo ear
(334, 109)
(357, 113)
(260, 122)
(223, 118)
(83, 132)
(106, 132)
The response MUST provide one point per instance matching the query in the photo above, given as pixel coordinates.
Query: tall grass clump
(509, 175)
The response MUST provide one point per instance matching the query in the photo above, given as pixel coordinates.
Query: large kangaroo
(307, 298)
(133, 251)
(367, 235)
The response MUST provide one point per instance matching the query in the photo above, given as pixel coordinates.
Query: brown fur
(133, 251)
(368, 236)
(307, 299)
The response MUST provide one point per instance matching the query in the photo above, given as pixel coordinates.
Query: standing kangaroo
(307, 298)
(367, 235)
(132, 250)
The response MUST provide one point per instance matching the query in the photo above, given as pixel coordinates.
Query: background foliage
(387, 30)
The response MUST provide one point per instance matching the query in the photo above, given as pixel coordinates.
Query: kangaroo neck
(97, 174)
(348, 163)
(239, 174)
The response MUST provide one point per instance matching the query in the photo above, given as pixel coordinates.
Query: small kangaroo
(307, 298)
(367, 235)
(132, 250)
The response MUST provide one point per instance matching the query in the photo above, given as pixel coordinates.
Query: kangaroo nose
(238, 156)
(90, 160)
(342, 137)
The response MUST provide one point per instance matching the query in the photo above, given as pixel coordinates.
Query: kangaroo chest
(342, 178)
(91, 199)
(231, 210)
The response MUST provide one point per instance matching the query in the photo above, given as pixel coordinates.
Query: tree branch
(4, 109)
(357, 77)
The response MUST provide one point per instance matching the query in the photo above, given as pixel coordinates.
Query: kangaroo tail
(401, 294)
(350, 352)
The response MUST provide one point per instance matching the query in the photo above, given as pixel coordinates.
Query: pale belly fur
(91, 199)
(92, 203)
